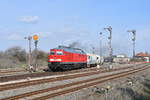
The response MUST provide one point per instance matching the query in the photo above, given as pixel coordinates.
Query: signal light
(35, 37)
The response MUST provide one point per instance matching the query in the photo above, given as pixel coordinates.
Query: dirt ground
(135, 87)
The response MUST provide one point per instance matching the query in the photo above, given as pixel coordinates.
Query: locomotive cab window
(52, 53)
(59, 53)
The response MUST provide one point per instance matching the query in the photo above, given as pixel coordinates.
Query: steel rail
(87, 85)
(63, 86)
(41, 81)
(41, 74)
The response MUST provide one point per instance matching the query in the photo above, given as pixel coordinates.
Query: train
(63, 57)
(94, 60)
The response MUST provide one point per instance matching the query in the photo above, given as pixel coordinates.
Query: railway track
(43, 74)
(100, 80)
(14, 70)
(90, 82)
(53, 79)
(9, 71)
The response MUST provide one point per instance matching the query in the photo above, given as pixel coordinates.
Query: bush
(16, 57)
(16, 52)
(8, 63)
(41, 57)
(12, 57)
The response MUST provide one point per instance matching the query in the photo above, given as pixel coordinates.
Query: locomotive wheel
(84, 65)
(53, 69)
(59, 69)
(88, 65)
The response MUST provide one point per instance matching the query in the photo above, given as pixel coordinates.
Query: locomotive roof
(72, 50)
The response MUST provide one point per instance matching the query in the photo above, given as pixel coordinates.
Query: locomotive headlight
(51, 60)
(55, 59)
(58, 59)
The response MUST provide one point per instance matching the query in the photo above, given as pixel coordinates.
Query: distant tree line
(17, 57)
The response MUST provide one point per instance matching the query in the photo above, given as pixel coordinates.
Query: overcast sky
(61, 22)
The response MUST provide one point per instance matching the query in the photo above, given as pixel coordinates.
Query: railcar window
(52, 53)
(59, 53)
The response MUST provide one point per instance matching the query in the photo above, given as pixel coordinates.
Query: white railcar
(94, 60)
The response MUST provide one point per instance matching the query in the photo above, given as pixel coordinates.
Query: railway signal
(110, 40)
(29, 38)
(100, 43)
(92, 49)
(110, 45)
(133, 39)
(35, 38)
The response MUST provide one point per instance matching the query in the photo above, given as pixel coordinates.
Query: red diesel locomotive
(66, 58)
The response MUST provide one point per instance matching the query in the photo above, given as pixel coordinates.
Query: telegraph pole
(110, 41)
(100, 43)
(133, 40)
(29, 38)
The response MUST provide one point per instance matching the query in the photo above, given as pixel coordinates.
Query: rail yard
(74, 50)
(69, 72)
(52, 86)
